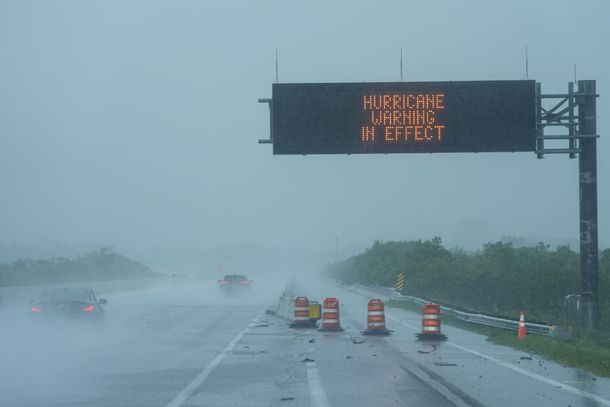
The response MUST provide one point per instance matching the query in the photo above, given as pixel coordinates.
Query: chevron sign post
(400, 283)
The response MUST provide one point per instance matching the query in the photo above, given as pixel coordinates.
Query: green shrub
(499, 279)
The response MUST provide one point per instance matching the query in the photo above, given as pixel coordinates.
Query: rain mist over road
(150, 334)
(128, 131)
(135, 124)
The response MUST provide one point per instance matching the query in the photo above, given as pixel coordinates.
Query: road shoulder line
(444, 389)
(519, 370)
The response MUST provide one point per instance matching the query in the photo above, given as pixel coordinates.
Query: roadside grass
(583, 351)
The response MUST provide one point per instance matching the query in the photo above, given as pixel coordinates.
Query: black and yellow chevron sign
(400, 282)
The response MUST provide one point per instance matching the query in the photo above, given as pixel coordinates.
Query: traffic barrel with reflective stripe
(301, 313)
(375, 318)
(330, 315)
(522, 330)
(431, 323)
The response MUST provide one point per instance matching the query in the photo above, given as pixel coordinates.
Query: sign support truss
(563, 113)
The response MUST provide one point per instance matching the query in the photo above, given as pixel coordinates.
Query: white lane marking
(316, 391)
(393, 318)
(200, 378)
(535, 376)
(440, 388)
(519, 370)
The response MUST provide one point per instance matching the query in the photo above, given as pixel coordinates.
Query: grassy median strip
(582, 352)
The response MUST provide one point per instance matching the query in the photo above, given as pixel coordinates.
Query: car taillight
(223, 282)
(244, 282)
(88, 308)
(35, 308)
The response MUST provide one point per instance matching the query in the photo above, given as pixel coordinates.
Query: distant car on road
(68, 303)
(235, 281)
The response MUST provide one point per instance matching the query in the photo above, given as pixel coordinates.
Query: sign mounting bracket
(270, 103)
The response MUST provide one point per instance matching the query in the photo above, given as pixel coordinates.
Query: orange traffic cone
(522, 331)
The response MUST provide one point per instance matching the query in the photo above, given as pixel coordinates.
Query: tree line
(99, 265)
(499, 279)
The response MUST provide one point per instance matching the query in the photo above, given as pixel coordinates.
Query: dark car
(235, 280)
(68, 303)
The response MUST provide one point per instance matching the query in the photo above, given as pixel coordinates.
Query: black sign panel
(404, 117)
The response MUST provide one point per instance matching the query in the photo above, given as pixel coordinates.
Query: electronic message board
(404, 117)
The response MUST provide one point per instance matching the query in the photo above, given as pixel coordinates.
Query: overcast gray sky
(135, 123)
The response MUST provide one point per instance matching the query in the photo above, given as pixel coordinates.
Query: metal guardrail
(503, 323)
(474, 318)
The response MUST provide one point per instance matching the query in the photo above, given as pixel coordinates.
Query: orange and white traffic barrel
(431, 323)
(375, 318)
(330, 315)
(301, 313)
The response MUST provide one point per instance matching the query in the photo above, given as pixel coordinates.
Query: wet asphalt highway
(189, 345)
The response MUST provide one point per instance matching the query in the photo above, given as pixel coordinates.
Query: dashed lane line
(316, 391)
(184, 395)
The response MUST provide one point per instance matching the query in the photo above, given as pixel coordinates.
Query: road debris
(357, 340)
(307, 360)
(426, 352)
(444, 364)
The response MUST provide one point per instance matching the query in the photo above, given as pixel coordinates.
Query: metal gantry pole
(539, 125)
(587, 166)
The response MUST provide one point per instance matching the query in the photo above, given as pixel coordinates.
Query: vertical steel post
(587, 166)
(572, 127)
(539, 126)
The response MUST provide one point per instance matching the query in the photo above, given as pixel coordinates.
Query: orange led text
(403, 118)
